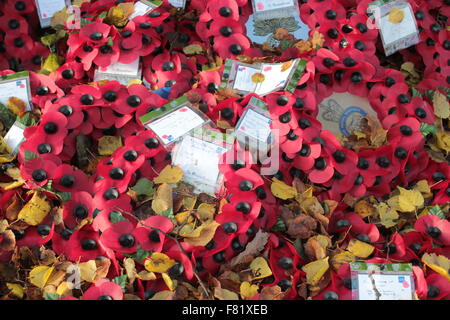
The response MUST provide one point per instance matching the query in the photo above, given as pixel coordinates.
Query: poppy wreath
(326, 192)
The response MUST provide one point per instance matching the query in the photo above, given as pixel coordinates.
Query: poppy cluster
(184, 53)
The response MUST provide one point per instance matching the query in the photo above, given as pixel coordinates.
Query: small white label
(389, 286)
(15, 88)
(199, 161)
(266, 5)
(14, 137)
(255, 125)
(175, 124)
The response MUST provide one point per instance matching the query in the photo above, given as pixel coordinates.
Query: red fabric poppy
(80, 207)
(84, 245)
(104, 290)
(436, 228)
(38, 171)
(152, 239)
(120, 237)
(406, 133)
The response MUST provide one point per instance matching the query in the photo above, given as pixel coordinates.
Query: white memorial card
(255, 125)
(121, 72)
(397, 25)
(48, 8)
(14, 137)
(275, 77)
(175, 124)
(16, 85)
(262, 78)
(375, 281)
(199, 161)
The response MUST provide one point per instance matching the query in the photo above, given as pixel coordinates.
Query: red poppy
(438, 287)
(84, 244)
(104, 290)
(38, 171)
(13, 24)
(35, 236)
(73, 114)
(69, 74)
(78, 208)
(405, 133)
(435, 227)
(120, 237)
(153, 239)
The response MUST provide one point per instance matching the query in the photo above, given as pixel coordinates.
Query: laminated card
(121, 72)
(47, 8)
(262, 78)
(373, 281)
(16, 85)
(199, 155)
(174, 120)
(397, 24)
(144, 7)
(253, 128)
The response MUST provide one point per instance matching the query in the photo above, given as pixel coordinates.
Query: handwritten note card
(141, 8)
(389, 286)
(255, 125)
(175, 124)
(243, 80)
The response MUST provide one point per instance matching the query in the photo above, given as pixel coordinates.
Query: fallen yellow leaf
(443, 141)
(170, 283)
(159, 262)
(406, 201)
(225, 294)
(39, 275)
(170, 174)
(202, 235)
(247, 290)
(16, 289)
(388, 216)
(441, 105)
(315, 270)
(260, 268)
(281, 190)
(35, 210)
(438, 263)
(17, 106)
(360, 249)
(163, 199)
(364, 209)
(258, 77)
(206, 211)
